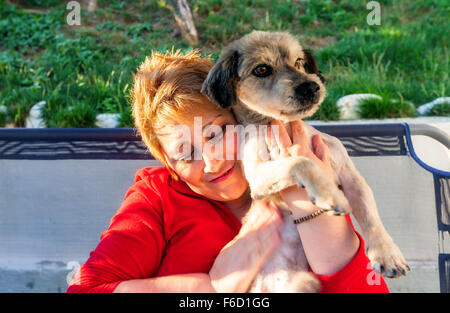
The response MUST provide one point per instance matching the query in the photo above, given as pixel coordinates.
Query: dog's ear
(310, 64)
(220, 84)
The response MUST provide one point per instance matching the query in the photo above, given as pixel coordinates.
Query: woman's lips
(224, 176)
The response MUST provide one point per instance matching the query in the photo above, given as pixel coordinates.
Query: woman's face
(199, 153)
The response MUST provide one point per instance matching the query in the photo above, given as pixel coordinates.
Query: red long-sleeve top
(164, 228)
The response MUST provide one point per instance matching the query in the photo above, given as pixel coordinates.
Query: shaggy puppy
(268, 75)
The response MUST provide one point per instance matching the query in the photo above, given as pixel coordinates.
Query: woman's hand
(236, 265)
(242, 258)
(329, 242)
(282, 146)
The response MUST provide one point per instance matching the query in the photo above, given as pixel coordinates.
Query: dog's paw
(386, 258)
(263, 188)
(302, 282)
(322, 190)
(330, 199)
(260, 191)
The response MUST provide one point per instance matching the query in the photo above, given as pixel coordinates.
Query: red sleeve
(131, 248)
(356, 277)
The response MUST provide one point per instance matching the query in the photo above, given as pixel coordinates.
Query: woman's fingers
(322, 153)
(269, 212)
(281, 145)
(272, 145)
(268, 233)
(298, 133)
(265, 214)
(276, 215)
(320, 149)
(281, 136)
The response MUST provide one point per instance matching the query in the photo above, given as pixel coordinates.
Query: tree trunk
(183, 17)
(92, 5)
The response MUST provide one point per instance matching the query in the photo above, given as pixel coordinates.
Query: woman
(180, 227)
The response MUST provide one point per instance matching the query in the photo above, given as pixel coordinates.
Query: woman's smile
(225, 175)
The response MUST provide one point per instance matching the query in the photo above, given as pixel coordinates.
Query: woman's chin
(234, 192)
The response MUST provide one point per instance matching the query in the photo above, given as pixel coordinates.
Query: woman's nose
(213, 160)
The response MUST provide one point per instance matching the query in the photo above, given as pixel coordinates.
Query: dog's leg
(269, 177)
(266, 178)
(386, 257)
(384, 254)
(322, 190)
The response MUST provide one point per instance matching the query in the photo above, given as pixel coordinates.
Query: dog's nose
(306, 91)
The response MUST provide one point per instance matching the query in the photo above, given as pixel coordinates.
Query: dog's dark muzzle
(307, 93)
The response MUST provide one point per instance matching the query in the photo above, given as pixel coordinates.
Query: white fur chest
(280, 271)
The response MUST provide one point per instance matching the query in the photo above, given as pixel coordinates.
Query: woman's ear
(220, 84)
(310, 64)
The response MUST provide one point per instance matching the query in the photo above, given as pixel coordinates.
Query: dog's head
(270, 73)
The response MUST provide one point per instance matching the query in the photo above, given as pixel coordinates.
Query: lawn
(84, 70)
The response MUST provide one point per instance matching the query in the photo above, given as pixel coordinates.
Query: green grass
(408, 59)
(84, 70)
(387, 106)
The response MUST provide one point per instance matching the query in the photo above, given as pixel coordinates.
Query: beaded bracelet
(308, 217)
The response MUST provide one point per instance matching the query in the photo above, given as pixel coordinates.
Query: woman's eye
(187, 158)
(222, 132)
(219, 135)
(262, 70)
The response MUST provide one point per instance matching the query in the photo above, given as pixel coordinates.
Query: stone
(348, 105)
(107, 120)
(34, 119)
(427, 107)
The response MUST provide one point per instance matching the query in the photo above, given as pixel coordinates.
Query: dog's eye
(298, 62)
(262, 70)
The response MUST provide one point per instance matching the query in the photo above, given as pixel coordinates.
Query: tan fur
(257, 101)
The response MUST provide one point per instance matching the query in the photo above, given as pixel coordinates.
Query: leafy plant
(372, 108)
(80, 115)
